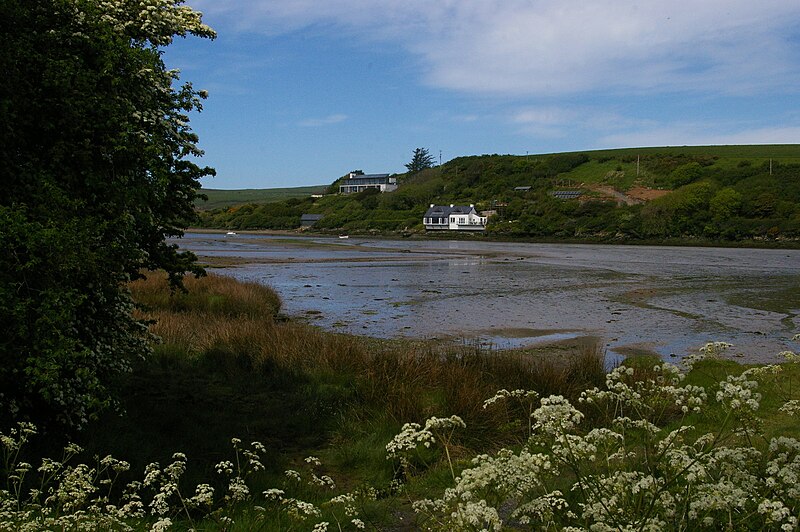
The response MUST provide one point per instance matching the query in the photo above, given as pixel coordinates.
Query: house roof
(368, 179)
(444, 211)
(310, 217)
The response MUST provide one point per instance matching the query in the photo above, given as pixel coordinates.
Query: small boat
(230, 233)
(344, 236)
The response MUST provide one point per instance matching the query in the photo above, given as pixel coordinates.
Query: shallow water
(636, 298)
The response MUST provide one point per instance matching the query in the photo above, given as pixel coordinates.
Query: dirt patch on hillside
(634, 196)
(646, 194)
(610, 193)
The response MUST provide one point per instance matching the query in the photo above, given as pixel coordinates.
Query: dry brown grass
(408, 381)
(416, 383)
(213, 294)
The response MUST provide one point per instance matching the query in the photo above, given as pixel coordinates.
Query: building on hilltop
(453, 218)
(361, 182)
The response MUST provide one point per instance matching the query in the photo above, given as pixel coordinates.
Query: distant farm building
(308, 220)
(522, 189)
(361, 182)
(453, 218)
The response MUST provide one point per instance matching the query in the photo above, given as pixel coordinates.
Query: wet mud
(635, 299)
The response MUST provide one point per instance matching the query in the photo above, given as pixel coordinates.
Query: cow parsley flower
(556, 414)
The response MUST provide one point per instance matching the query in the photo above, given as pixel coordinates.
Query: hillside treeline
(704, 195)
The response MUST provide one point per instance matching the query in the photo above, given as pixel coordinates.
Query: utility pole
(440, 157)
(637, 166)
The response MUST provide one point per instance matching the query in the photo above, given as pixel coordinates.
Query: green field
(784, 152)
(218, 199)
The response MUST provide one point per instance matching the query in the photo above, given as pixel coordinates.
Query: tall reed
(232, 323)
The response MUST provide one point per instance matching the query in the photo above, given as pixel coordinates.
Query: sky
(302, 92)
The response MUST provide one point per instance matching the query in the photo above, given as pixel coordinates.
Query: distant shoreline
(391, 235)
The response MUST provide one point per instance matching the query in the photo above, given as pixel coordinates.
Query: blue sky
(302, 92)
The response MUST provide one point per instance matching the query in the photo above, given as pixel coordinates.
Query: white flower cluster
(67, 497)
(76, 497)
(156, 21)
(523, 395)
(409, 437)
(643, 402)
(632, 474)
(556, 415)
(412, 435)
(339, 508)
(737, 393)
(712, 350)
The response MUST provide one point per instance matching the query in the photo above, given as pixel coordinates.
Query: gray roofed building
(360, 182)
(453, 217)
(307, 220)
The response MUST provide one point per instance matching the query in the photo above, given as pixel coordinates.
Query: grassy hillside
(218, 199)
(716, 193)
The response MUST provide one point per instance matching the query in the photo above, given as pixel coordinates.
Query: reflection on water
(637, 298)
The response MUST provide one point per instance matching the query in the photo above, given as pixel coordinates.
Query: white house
(453, 218)
(360, 182)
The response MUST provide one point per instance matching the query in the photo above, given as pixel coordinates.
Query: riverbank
(765, 243)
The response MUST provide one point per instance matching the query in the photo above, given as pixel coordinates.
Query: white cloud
(552, 47)
(702, 134)
(562, 121)
(325, 121)
(544, 116)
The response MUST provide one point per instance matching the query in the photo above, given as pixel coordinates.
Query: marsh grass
(225, 366)
(213, 294)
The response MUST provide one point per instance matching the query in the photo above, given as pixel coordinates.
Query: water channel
(666, 300)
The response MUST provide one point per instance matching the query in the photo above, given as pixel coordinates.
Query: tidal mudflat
(663, 300)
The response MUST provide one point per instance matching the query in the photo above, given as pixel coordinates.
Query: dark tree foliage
(94, 144)
(421, 160)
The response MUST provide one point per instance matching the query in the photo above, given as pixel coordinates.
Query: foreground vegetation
(99, 166)
(347, 431)
(714, 193)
